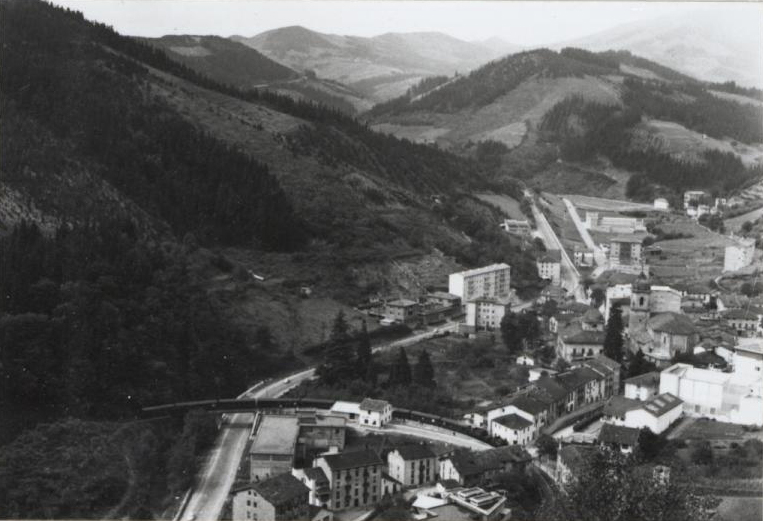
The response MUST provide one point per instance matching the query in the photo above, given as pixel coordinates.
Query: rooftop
(444, 295)
(750, 345)
(414, 452)
(513, 421)
(626, 238)
(660, 404)
(351, 460)
(528, 404)
(550, 256)
(673, 323)
(593, 316)
(577, 377)
(740, 314)
(402, 303)
(482, 270)
(618, 405)
(280, 489)
(575, 334)
(369, 404)
(276, 435)
(646, 379)
(315, 474)
(616, 434)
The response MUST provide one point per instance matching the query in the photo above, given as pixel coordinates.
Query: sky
(524, 23)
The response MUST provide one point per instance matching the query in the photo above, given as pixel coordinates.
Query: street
(429, 433)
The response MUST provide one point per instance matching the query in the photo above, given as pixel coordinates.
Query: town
(612, 354)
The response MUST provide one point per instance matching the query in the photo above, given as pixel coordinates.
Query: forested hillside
(601, 112)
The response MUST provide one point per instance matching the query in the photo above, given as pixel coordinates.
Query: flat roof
(276, 435)
(484, 269)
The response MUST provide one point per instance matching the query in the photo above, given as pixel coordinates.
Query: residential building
(354, 478)
(486, 312)
(516, 226)
(317, 484)
(441, 298)
(616, 436)
(693, 197)
(583, 386)
(525, 405)
(625, 252)
(746, 322)
(488, 281)
(642, 387)
(609, 370)
(661, 204)
(748, 356)
(402, 310)
(656, 414)
(412, 465)
(514, 429)
(549, 265)
(375, 413)
(472, 468)
(348, 410)
(576, 343)
(281, 497)
(321, 431)
(614, 410)
(273, 448)
(739, 255)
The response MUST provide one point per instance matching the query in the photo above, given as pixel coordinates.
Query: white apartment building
(486, 313)
(488, 281)
(549, 265)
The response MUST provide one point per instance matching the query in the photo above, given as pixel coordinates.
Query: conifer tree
(613, 339)
(400, 372)
(423, 372)
(364, 353)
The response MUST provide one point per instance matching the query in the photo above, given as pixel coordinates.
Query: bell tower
(639, 310)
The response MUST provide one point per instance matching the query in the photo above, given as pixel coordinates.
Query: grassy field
(508, 205)
(703, 429)
(586, 202)
(740, 509)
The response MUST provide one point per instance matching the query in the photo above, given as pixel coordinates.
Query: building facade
(488, 281)
(375, 413)
(486, 312)
(279, 498)
(412, 465)
(355, 478)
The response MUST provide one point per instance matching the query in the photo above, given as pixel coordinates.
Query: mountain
(711, 47)
(501, 112)
(232, 63)
(382, 66)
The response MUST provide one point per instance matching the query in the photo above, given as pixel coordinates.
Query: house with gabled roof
(620, 437)
(374, 413)
(412, 465)
(279, 498)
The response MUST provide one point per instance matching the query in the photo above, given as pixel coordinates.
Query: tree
(529, 328)
(400, 372)
(598, 296)
(650, 444)
(511, 332)
(423, 372)
(549, 308)
(612, 486)
(547, 445)
(364, 355)
(339, 365)
(701, 453)
(339, 328)
(639, 365)
(613, 339)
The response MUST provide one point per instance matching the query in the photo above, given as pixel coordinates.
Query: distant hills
(709, 47)
(381, 67)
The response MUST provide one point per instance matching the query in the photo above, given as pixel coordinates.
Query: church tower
(639, 309)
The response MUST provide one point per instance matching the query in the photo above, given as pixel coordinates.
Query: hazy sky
(524, 23)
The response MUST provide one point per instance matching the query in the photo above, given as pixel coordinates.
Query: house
(403, 311)
(616, 436)
(693, 197)
(441, 298)
(549, 264)
(661, 204)
(739, 255)
(746, 322)
(525, 405)
(355, 478)
(488, 281)
(656, 414)
(642, 387)
(325, 432)
(616, 407)
(412, 465)
(348, 410)
(514, 429)
(274, 446)
(583, 386)
(625, 253)
(375, 413)
(516, 226)
(592, 320)
(551, 292)
(486, 312)
(471, 468)
(525, 359)
(576, 343)
(669, 333)
(317, 484)
(609, 370)
(281, 497)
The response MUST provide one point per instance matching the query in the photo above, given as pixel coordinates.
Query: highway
(570, 274)
(219, 471)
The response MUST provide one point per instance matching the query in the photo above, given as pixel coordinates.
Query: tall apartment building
(355, 478)
(739, 255)
(625, 254)
(488, 281)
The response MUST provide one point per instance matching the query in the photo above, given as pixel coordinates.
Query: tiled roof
(577, 377)
(740, 314)
(673, 323)
(646, 379)
(316, 474)
(281, 489)
(616, 434)
(551, 388)
(469, 463)
(402, 303)
(528, 404)
(513, 421)
(369, 404)
(575, 334)
(660, 404)
(593, 316)
(551, 256)
(618, 405)
(351, 460)
(414, 452)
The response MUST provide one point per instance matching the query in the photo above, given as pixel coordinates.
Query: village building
(642, 387)
(656, 414)
(625, 254)
(355, 478)
(279, 498)
(661, 204)
(693, 197)
(472, 468)
(619, 437)
(317, 484)
(513, 429)
(576, 342)
(486, 313)
(375, 413)
(516, 226)
(666, 335)
(488, 281)
(403, 311)
(274, 446)
(748, 356)
(412, 465)
(441, 298)
(549, 265)
(321, 431)
(746, 322)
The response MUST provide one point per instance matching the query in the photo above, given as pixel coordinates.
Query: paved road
(433, 433)
(219, 472)
(570, 274)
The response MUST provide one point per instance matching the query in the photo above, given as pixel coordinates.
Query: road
(219, 472)
(430, 433)
(570, 274)
(449, 327)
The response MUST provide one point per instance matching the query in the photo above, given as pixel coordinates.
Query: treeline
(587, 129)
(695, 108)
(93, 99)
(400, 103)
(96, 323)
